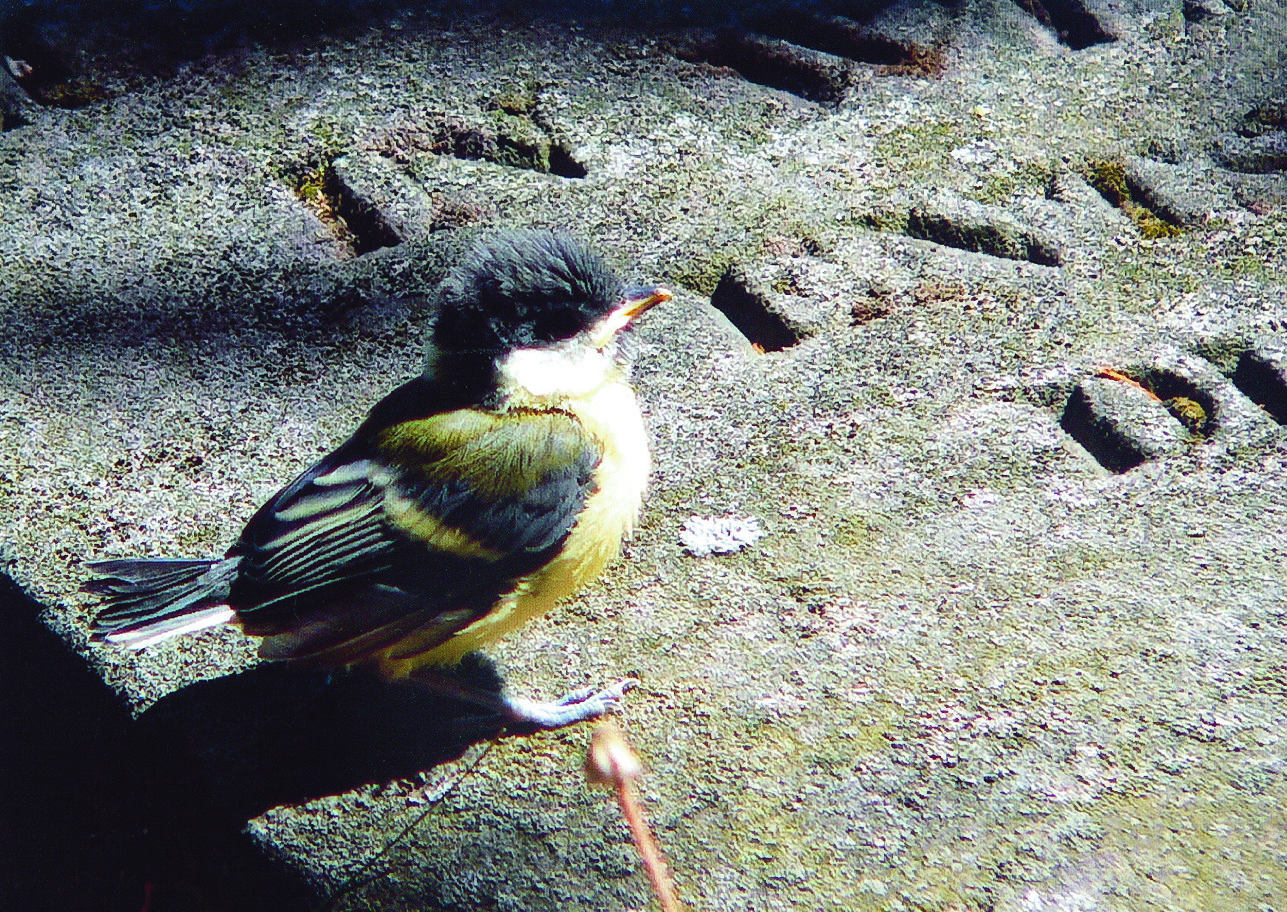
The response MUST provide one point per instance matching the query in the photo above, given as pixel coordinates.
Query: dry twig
(611, 762)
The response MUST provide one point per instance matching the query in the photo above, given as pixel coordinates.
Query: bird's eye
(555, 325)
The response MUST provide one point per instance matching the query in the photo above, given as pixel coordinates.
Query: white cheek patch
(569, 370)
(606, 329)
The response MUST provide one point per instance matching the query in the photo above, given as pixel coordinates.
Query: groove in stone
(1072, 22)
(753, 313)
(775, 64)
(1264, 383)
(998, 240)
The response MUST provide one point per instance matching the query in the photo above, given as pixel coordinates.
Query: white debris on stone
(702, 536)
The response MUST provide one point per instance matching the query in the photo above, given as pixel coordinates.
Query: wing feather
(411, 534)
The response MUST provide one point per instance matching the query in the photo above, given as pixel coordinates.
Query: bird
(469, 500)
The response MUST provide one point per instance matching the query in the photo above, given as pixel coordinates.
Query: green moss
(1152, 226)
(1108, 177)
(1000, 188)
(1248, 266)
(517, 100)
(333, 135)
(519, 144)
(855, 532)
(316, 187)
(76, 93)
(921, 148)
(893, 220)
(312, 185)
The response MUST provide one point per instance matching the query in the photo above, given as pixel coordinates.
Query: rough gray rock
(970, 665)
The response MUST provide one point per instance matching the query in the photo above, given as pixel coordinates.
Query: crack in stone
(1262, 378)
(990, 236)
(754, 312)
(1073, 24)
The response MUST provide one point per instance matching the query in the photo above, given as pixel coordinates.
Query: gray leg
(578, 706)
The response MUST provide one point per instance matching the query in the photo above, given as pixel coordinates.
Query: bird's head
(538, 311)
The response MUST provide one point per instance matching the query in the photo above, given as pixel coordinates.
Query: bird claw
(578, 706)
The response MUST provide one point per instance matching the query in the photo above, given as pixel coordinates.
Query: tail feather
(147, 601)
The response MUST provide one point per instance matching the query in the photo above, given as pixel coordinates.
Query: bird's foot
(578, 706)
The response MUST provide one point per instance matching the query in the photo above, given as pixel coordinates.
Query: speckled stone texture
(980, 315)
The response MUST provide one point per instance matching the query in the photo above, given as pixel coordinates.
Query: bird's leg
(577, 706)
(521, 715)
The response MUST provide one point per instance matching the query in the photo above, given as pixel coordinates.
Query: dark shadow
(72, 51)
(1265, 384)
(1074, 22)
(305, 303)
(103, 812)
(754, 315)
(1101, 438)
(75, 54)
(229, 749)
(60, 845)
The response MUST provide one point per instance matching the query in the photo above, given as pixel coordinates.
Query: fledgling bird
(469, 500)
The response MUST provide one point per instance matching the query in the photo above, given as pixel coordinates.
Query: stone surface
(968, 666)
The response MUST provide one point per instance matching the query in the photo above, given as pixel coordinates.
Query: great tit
(469, 500)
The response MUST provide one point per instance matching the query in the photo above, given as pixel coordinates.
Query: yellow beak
(635, 302)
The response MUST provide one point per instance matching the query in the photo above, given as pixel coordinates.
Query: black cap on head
(523, 288)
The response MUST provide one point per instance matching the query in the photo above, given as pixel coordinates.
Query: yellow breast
(611, 414)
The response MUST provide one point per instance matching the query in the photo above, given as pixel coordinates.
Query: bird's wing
(418, 529)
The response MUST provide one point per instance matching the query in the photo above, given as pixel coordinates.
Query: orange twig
(611, 762)
(1109, 373)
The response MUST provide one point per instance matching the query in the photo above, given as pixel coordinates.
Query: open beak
(635, 302)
